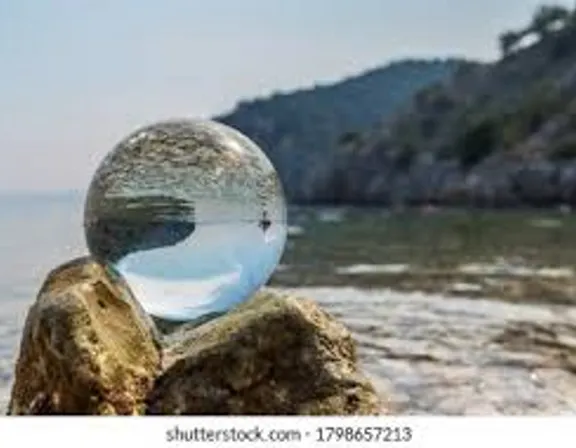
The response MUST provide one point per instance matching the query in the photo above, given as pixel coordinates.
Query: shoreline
(436, 356)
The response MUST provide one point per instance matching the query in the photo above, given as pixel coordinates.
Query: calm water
(348, 260)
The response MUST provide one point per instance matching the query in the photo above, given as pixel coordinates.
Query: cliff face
(497, 135)
(301, 131)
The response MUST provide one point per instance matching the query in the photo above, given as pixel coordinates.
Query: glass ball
(191, 214)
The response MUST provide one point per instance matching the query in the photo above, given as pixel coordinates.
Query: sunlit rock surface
(273, 355)
(87, 347)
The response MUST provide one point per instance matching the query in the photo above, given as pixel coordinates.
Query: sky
(77, 75)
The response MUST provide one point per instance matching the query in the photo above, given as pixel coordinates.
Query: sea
(455, 312)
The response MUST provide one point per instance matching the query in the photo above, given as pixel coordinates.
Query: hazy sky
(78, 75)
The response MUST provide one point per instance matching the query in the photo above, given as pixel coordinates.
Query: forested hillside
(302, 130)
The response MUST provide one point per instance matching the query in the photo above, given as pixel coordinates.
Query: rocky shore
(498, 182)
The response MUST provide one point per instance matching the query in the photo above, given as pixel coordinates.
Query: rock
(272, 355)
(87, 347)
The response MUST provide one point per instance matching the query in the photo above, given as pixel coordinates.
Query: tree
(508, 42)
(349, 138)
(547, 18)
(477, 142)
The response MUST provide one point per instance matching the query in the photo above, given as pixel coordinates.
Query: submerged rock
(88, 348)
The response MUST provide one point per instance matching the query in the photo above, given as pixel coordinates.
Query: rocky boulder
(273, 355)
(88, 348)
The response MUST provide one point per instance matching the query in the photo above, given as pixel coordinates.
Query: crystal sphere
(190, 213)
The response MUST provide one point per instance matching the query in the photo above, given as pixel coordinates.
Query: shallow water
(433, 355)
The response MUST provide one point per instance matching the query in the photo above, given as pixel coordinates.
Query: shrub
(477, 142)
(564, 150)
(349, 138)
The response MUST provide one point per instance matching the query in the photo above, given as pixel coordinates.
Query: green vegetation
(466, 139)
(299, 130)
(509, 40)
(433, 131)
(477, 142)
(405, 158)
(546, 20)
(350, 138)
(564, 149)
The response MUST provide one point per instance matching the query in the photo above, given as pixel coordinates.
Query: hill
(301, 131)
(501, 134)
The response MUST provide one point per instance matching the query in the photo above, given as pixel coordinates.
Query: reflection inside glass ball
(191, 214)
